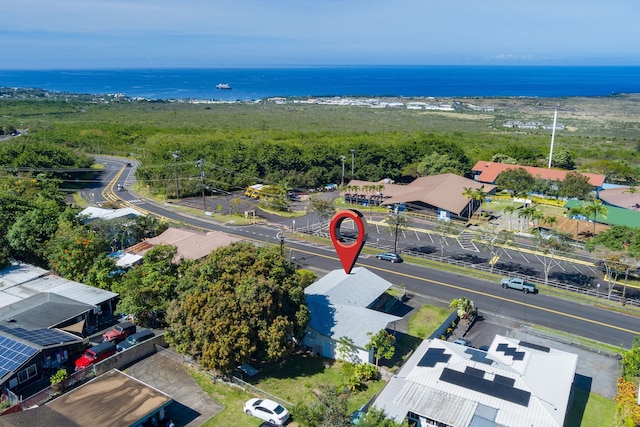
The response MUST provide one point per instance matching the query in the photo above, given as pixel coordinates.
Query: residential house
(112, 399)
(341, 306)
(514, 383)
(190, 244)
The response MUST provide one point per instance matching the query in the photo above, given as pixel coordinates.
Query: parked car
(462, 341)
(389, 256)
(134, 339)
(96, 354)
(119, 332)
(267, 410)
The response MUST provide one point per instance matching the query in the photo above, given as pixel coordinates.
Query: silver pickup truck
(519, 284)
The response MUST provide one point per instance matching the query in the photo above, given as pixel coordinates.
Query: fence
(589, 290)
(614, 296)
(52, 391)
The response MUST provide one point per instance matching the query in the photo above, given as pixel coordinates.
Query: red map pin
(348, 254)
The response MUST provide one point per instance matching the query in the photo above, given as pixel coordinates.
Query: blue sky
(75, 34)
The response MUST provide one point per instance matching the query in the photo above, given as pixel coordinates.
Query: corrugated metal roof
(72, 290)
(360, 288)
(546, 375)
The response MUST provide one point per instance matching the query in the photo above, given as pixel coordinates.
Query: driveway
(191, 406)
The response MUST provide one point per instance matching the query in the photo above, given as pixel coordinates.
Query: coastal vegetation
(304, 145)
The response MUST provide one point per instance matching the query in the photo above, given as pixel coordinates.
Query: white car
(267, 410)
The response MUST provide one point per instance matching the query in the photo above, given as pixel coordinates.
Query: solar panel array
(433, 356)
(501, 388)
(13, 354)
(43, 337)
(510, 351)
(479, 356)
(535, 346)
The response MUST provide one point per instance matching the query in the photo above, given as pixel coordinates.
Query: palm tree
(576, 211)
(594, 209)
(463, 306)
(479, 195)
(509, 210)
(469, 194)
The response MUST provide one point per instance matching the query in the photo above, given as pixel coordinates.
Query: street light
(343, 158)
(353, 157)
(200, 164)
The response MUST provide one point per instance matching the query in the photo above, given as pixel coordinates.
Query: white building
(340, 306)
(513, 384)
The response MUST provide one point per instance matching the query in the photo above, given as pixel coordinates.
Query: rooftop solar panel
(488, 387)
(43, 337)
(535, 346)
(13, 354)
(479, 356)
(510, 351)
(434, 356)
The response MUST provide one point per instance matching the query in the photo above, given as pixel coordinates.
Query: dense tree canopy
(575, 185)
(147, 290)
(516, 181)
(242, 303)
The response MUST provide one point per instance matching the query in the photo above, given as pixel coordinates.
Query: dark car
(389, 256)
(134, 339)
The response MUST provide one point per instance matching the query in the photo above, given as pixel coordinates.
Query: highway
(561, 314)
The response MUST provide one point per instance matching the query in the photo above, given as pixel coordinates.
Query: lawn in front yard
(293, 381)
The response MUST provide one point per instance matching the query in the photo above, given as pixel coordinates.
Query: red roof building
(488, 172)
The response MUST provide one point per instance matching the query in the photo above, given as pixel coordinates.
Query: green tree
(469, 193)
(376, 417)
(328, 409)
(595, 209)
(397, 222)
(552, 247)
(563, 159)
(509, 211)
(146, 290)
(575, 186)
(463, 306)
(436, 163)
(383, 344)
(239, 304)
(631, 361)
(323, 208)
(516, 181)
(73, 250)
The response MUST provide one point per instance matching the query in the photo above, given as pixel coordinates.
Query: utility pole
(553, 136)
(175, 155)
(343, 158)
(353, 158)
(395, 241)
(200, 163)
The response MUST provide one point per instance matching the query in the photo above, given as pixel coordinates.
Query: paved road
(561, 314)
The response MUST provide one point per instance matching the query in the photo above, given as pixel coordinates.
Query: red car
(119, 332)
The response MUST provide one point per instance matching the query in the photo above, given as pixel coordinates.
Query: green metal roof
(615, 216)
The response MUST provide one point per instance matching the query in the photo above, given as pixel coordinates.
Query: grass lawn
(293, 381)
(591, 410)
(426, 320)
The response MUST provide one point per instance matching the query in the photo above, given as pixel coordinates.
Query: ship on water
(223, 86)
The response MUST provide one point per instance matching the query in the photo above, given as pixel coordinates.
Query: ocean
(381, 81)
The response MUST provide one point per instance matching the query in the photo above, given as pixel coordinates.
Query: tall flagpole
(553, 136)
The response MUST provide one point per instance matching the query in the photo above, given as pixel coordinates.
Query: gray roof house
(340, 306)
(514, 383)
